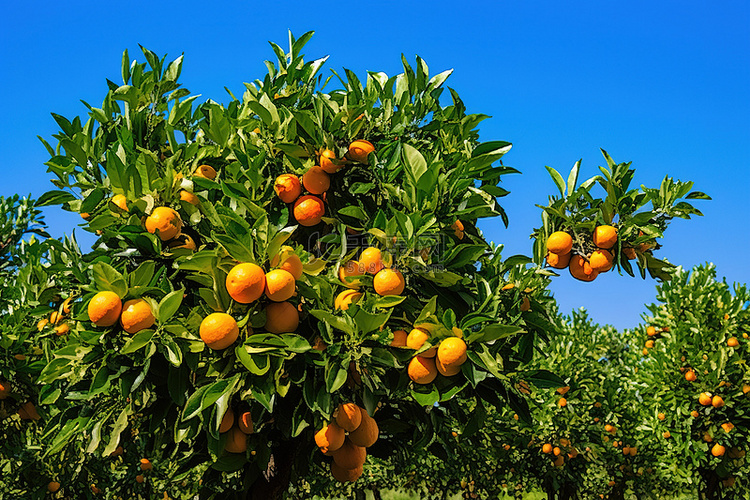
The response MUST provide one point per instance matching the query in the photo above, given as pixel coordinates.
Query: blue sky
(663, 84)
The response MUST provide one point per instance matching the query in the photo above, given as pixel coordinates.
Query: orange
(633, 451)
(389, 282)
(189, 197)
(558, 261)
(227, 421)
(53, 486)
(717, 402)
(309, 210)
(667, 434)
(610, 428)
(205, 171)
(690, 376)
(146, 464)
(422, 370)
(219, 330)
(458, 229)
(745, 389)
(452, 352)
(164, 220)
(346, 298)
(525, 304)
(733, 342)
(287, 260)
(371, 260)
(27, 411)
(326, 161)
(61, 330)
(661, 416)
(246, 282)
(184, 241)
(41, 324)
(581, 270)
(4, 389)
(85, 215)
(727, 426)
(348, 416)
(330, 438)
(560, 243)
(136, 316)
(605, 237)
(366, 434)
(694, 414)
(236, 441)
(287, 187)
(345, 475)
(547, 448)
(446, 370)
(563, 390)
(316, 180)
(245, 423)
(104, 309)
(562, 402)
(139, 478)
(705, 399)
(280, 285)
(601, 261)
(360, 149)
(650, 344)
(281, 317)
(650, 331)
(416, 339)
(399, 338)
(572, 453)
(346, 271)
(718, 450)
(120, 201)
(350, 456)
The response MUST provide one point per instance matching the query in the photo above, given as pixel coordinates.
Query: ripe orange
(346, 271)
(4, 389)
(139, 479)
(371, 260)
(633, 451)
(189, 197)
(346, 298)
(562, 390)
(718, 450)
(560, 243)
(136, 316)
(601, 261)
(281, 317)
(745, 389)
(236, 441)
(287, 260)
(164, 220)
(182, 241)
(650, 331)
(348, 416)
(205, 171)
(694, 414)
(562, 402)
(717, 402)
(661, 416)
(705, 399)
(246, 282)
(556, 451)
(446, 370)
(581, 270)
(399, 338)
(326, 161)
(650, 344)
(316, 180)
(728, 481)
(389, 282)
(345, 475)
(366, 434)
(61, 330)
(458, 229)
(422, 370)
(146, 464)
(610, 428)
(309, 210)
(53, 486)
(287, 187)
(451, 352)
(227, 421)
(733, 342)
(558, 261)
(727, 426)
(104, 308)
(626, 450)
(245, 423)
(667, 434)
(547, 448)
(525, 304)
(605, 237)
(330, 438)
(349, 455)
(690, 376)
(219, 331)
(280, 285)
(120, 201)
(360, 149)
(27, 411)
(416, 339)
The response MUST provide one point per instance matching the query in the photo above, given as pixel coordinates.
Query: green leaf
(573, 177)
(139, 340)
(544, 379)
(335, 374)
(414, 162)
(343, 323)
(169, 305)
(425, 395)
(107, 277)
(557, 179)
(54, 198)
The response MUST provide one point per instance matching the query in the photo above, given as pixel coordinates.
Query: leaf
(544, 379)
(174, 353)
(343, 323)
(335, 375)
(414, 162)
(108, 278)
(573, 177)
(169, 305)
(557, 179)
(54, 198)
(251, 361)
(139, 340)
(425, 395)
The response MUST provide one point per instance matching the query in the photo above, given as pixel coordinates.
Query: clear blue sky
(665, 84)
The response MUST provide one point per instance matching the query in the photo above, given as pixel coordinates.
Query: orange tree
(699, 382)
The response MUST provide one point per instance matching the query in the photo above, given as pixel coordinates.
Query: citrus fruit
(705, 399)
(120, 201)
(348, 416)
(330, 438)
(287, 260)
(281, 317)
(309, 210)
(718, 450)
(189, 197)
(227, 421)
(182, 241)
(349, 455)
(316, 180)
(4, 389)
(104, 308)
(280, 285)
(346, 271)
(371, 260)
(326, 161)
(601, 261)
(236, 441)
(136, 316)
(53, 486)
(146, 464)
(559, 242)
(733, 342)
(219, 330)
(422, 370)
(389, 282)
(366, 433)
(245, 423)
(345, 475)
(62, 329)
(287, 187)
(164, 220)
(360, 149)
(558, 261)
(246, 282)
(346, 298)
(452, 352)
(399, 338)
(605, 237)
(205, 171)
(581, 270)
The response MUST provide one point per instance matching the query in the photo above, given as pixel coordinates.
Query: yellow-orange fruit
(650, 331)
(227, 421)
(309, 210)
(399, 338)
(346, 271)
(189, 197)
(66, 305)
(525, 304)
(345, 475)
(422, 370)
(120, 201)
(562, 391)
(146, 464)
(609, 428)
(346, 298)
(182, 241)
(61, 330)
(280, 285)
(661, 416)
(452, 352)
(236, 441)
(326, 161)
(281, 317)
(139, 479)
(690, 376)
(559, 242)
(205, 171)
(348, 416)
(546, 448)
(717, 402)
(601, 261)
(650, 344)
(316, 180)
(458, 229)
(371, 260)
(366, 433)
(667, 434)
(733, 342)
(136, 316)
(694, 414)
(41, 324)
(718, 450)
(727, 426)
(389, 282)
(705, 399)
(164, 220)
(447, 370)
(330, 438)
(246, 282)
(287, 260)
(605, 237)
(416, 339)
(53, 486)
(105, 308)
(219, 330)
(581, 270)
(360, 149)
(349, 455)
(562, 402)
(245, 423)
(287, 187)
(558, 261)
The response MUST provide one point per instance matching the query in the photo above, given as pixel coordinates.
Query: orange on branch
(164, 221)
(350, 456)
(245, 422)
(280, 285)
(287, 187)
(120, 201)
(348, 416)
(104, 308)
(360, 149)
(389, 282)
(316, 180)
(399, 338)
(236, 441)
(371, 260)
(601, 261)
(281, 317)
(558, 261)
(560, 243)
(605, 237)
(327, 161)
(287, 260)
(227, 421)
(366, 434)
(345, 475)
(205, 171)
(246, 282)
(136, 316)
(346, 271)
(189, 197)
(219, 330)
(346, 298)
(309, 210)
(330, 438)
(581, 270)
(422, 370)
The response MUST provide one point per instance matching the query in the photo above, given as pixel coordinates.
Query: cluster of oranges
(346, 439)
(653, 336)
(236, 430)
(309, 209)
(558, 452)
(627, 450)
(445, 359)
(106, 308)
(55, 318)
(584, 267)
(386, 280)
